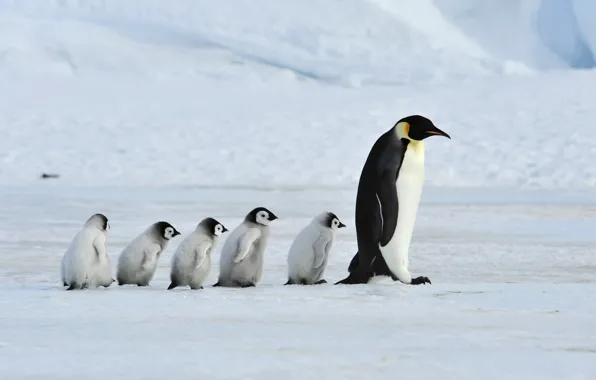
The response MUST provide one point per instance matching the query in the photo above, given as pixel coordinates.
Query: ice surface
(513, 293)
(180, 109)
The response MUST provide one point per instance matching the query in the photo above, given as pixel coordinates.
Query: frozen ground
(178, 109)
(513, 293)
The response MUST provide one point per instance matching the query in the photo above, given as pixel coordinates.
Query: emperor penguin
(191, 263)
(387, 201)
(307, 258)
(85, 263)
(241, 258)
(138, 261)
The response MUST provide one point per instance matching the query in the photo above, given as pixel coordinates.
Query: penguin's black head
(417, 128)
(166, 230)
(99, 220)
(213, 226)
(332, 221)
(261, 216)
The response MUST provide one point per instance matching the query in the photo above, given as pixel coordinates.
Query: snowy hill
(293, 93)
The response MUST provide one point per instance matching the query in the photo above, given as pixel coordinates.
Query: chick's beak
(224, 229)
(341, 225)
(434, 131)
(272, 216)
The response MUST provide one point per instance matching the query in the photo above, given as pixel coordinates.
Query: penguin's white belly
(409, 189)
(200, 274)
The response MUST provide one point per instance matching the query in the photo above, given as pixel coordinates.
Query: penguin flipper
(389, 206)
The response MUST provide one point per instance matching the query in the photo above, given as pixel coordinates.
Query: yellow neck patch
(403, 130)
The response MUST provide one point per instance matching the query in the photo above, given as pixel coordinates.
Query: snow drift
(348, 42)
(293, 93)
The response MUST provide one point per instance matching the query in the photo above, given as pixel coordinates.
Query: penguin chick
(138, 261)
(191, 263)
(85, 262)
(241, 259)
(307, 258)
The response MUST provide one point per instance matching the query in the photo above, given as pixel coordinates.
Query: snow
(181, 109)
(513, 292)
(190, 93)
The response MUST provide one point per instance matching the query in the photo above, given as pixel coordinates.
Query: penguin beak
(272, 216)
(434, 131)
(176, 233)
(341, 225)
(223, 229)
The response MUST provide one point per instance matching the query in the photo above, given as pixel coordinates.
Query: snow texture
(513, 293)
(181, 109)
(294, 93)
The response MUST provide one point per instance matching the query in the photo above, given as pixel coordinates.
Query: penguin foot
(321, 282)
(172, 286)
(72, 287)
(420, 281)
(247, 285)
(196, 288)
(216, 284)
(64, 284)
(290, 282)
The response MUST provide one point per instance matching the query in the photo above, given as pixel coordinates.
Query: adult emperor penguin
(307, 258)
(191, 263)
(387, 202)
(138, 261)
(241, 258)
(85, 263)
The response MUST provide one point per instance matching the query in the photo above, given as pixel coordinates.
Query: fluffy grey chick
(309, 252)
(191, 263)
(138, 260)
(241, 260)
